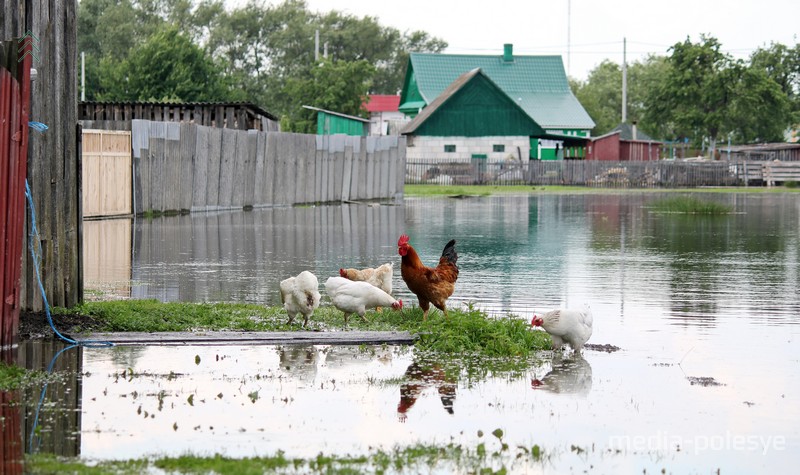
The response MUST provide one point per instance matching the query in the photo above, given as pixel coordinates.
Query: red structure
(15, 68)
(624, 143)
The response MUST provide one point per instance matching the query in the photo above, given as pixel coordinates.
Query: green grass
(487, 190)
(464, 331)
(488, 456)
(11, 376)
(690, 205)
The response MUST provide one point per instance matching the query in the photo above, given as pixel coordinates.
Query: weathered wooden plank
(201, 165)
(347, 172)
(214, 164)
(188, 149)
(301, 176)
(372, 157)
(310, 157)
(270, 167)
(172, 168)
(250, 175)
(255, 338)
(322, 157)
(227, 167)
(157, 151)
(259, 169)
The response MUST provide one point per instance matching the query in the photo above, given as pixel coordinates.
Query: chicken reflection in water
(568, 375)
(421, 376)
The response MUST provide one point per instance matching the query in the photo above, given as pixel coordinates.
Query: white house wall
(432, 148)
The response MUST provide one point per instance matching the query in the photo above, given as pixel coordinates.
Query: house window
(498, 148)
(450, 148)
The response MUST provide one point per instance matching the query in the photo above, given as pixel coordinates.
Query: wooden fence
(53, 161)
(106, 168)
(179, 167)
(606, 174)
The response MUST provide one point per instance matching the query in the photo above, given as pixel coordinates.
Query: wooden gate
(107, 189)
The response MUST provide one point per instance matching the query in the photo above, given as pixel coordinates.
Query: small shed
(331, 123)
(624, 143)
(385, 117)
(227, 115)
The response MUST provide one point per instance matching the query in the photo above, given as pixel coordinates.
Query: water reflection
(680, 295)
(570, 374)
(418, 378)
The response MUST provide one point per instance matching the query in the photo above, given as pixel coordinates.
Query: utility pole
(624, 80)
(316, 46)
(569, 25)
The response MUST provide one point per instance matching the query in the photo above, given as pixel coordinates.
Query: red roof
(382, 103)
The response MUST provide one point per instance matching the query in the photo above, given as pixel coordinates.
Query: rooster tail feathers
(449, 252)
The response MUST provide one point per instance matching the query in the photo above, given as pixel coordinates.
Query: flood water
(706, 311)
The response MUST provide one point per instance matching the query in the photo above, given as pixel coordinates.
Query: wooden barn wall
(639, 151)
(53, 161)
(186, 167)
(606, 148)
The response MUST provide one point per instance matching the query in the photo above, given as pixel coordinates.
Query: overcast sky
(596, 28)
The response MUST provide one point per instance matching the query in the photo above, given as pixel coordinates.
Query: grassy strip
(466, 331)
(486, 190)
(690, 205)
(490, 456)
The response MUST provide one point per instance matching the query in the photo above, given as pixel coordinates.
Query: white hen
(380, 277)
(300, 295)
(351, 296)
(570, 326)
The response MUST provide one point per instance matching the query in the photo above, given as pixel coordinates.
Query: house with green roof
(491, 106)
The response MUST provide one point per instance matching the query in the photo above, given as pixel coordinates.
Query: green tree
(338, 86)
(782, 64)
(707, 94)
(601, 94)
(168, 66)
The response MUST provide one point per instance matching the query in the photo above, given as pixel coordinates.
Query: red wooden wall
(15, 67)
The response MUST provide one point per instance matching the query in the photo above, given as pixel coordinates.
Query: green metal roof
(473, 106)
(537, 83)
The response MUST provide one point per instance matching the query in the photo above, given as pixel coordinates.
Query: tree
(601, 94)
(707, 94)
(332, 85)
(168, 66)
(781, 64)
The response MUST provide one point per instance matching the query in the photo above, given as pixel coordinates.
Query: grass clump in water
(11, 376)
(486, 457)
(691, 205)
(464, 331)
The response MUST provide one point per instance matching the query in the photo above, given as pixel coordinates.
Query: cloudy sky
(584, 32)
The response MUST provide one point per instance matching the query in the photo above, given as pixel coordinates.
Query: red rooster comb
(343, 273)
(403, 240)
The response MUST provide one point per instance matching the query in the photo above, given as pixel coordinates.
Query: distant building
(495, 107)
(331, 123)
(625, 143)
(117, 115)
(384, 116)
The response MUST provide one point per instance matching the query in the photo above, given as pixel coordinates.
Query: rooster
(570, 326)
(351, 296)
(380, 277)
(300, 295)
(430, 285)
